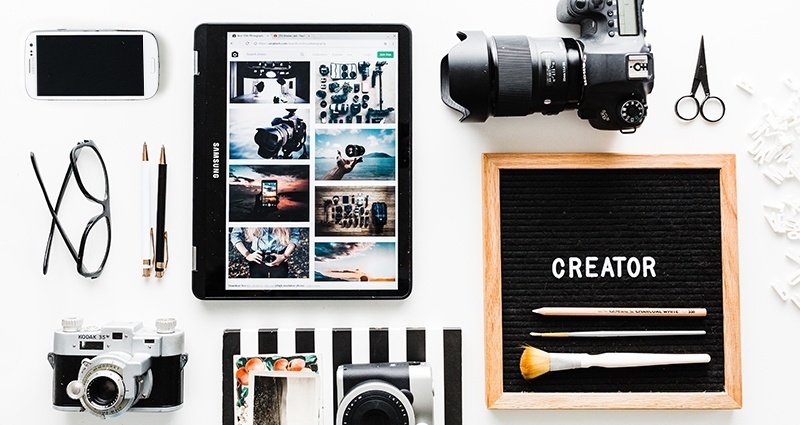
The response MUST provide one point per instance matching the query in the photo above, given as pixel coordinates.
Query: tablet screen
(316, 153)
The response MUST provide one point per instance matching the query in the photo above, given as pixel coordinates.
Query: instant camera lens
(511, 75)
(377, 407)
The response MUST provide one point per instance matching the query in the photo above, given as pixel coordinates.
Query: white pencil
(603, 334)
(621, 311)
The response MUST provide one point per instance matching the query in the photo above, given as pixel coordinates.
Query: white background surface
(755, 43)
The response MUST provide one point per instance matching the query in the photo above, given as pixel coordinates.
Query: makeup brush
(535, 362)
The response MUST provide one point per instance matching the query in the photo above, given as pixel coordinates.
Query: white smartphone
(91, 65)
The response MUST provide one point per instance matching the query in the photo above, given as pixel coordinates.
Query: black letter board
(611, 231)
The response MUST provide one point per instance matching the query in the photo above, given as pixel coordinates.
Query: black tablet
(302, 161)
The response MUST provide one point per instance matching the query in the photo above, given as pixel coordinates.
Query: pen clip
(166, 250)
(159, 267)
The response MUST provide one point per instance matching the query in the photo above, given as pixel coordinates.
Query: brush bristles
(534, 363)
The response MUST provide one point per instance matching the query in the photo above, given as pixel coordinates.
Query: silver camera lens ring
(363, 392)
(98, 383)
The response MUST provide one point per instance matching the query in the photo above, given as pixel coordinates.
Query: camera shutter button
(166, 326)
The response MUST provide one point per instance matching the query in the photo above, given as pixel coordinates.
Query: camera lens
(354, 150)
(102, 392)
(511, 75)
(376, 407)
(270, 140)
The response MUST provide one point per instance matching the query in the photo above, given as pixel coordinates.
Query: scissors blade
(701, 70)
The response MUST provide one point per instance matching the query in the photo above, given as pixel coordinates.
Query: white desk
(755, 42)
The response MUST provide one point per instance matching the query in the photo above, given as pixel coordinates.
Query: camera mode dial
(633, 111)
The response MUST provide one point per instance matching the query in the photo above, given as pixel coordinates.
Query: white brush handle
(561, 361)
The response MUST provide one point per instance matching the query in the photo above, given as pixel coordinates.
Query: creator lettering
(609, 267)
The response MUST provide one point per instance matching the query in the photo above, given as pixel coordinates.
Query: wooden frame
(496, 398)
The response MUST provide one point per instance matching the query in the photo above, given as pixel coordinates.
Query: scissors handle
(715, 117)
(689, 112)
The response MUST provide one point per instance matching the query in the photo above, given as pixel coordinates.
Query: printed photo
(284, 398)
(268, 252)
(355, 154)
(268, 132)
(354, 211)
(268, 193)
(292, 378)
(356, 92)
(269, 82)
(355, 262)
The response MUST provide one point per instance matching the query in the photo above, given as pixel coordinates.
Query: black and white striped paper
(440, 348)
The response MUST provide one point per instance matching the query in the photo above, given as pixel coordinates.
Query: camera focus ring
(514, 76)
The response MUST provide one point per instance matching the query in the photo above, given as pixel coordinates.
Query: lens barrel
(103, 392)
(354, 150)
(271, 139)
(511, 75)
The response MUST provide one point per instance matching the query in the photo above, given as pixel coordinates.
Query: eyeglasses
(88, 258)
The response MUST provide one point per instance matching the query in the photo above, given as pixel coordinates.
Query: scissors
(688, 107)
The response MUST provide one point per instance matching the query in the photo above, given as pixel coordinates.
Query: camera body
(118, 367)
(286, 135)
(400, 393)
(618, 62)
(605, 74)
(269, 257)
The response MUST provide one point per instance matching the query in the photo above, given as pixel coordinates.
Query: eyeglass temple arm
(55, 223)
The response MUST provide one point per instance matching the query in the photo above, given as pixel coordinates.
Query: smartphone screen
(269, 193)
(85, 64)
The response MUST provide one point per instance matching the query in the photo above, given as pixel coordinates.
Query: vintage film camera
(606, 74)
(385, 393)
(286, 135)
(118, 367)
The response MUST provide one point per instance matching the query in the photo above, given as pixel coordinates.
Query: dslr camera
(605, 74)
(286, 135)
(118, 367)
(384, 393)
